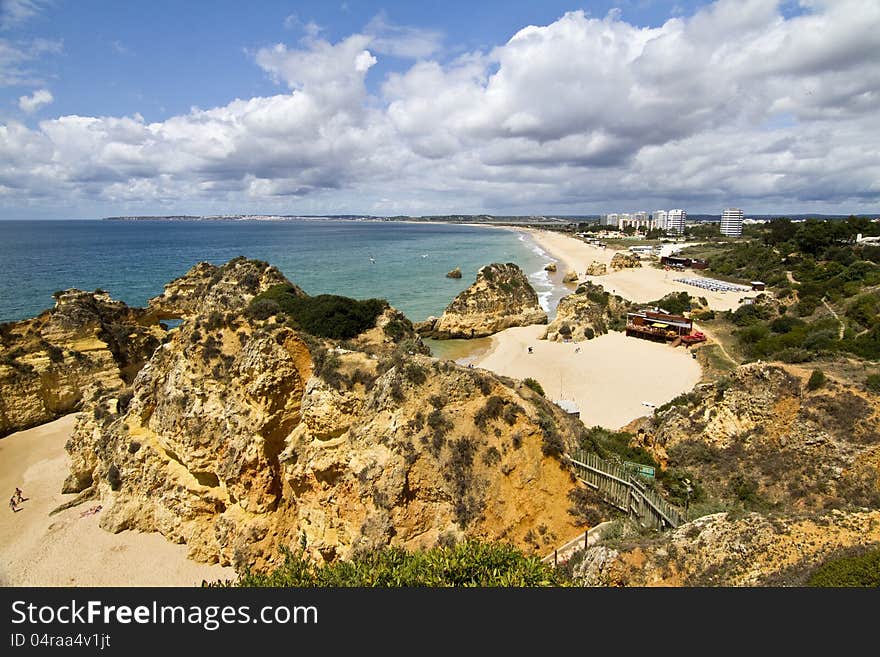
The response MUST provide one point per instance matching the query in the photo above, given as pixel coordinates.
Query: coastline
(69, 548)
(640, 285)
(602, 375)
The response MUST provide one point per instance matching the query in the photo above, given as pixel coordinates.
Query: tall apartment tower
(732, 222)
(675, 221)
(660, 218)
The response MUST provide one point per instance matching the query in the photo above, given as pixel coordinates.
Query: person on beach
(18, 496)
(530, 350)
(12, 505)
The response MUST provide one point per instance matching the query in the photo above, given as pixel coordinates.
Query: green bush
(817, 380)
(470, 563)
(534, 385)
(676, 303)
(855, 571)
(325, 315)
(872, 383)
(785, 324)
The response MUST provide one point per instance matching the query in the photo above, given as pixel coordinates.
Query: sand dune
(69, 549)
(609, 378)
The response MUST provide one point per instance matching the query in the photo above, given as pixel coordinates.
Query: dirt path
(717, 342)
(841, 326)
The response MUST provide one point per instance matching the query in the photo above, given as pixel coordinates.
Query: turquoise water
(133, 260)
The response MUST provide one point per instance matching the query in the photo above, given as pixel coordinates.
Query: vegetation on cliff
(324, 315)
(465, 564)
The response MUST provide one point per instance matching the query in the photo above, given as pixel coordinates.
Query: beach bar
(657, 326)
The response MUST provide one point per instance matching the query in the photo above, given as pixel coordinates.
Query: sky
(384, 108)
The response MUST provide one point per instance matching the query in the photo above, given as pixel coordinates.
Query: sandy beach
(640, 285)
(69, 549)
(609, 378)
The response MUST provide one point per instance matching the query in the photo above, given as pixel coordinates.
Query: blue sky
(410, 107)
(160, 58)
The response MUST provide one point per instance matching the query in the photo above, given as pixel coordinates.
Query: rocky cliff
(243, 435)
(589, 312)
(760, 438)
(226, 288)
(725, 550)
(87, 344)
(501, 297)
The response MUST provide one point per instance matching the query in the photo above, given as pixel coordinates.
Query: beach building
(657, 325)
(569, 407)
(732, 222)
(681, 263)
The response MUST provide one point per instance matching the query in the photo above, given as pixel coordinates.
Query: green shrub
(785, 324)
(817, 380)
(470, 563)
(744, 488)
(872, 383)
(676, 303)
(534, 385)
(855, 571)
(325, 315)
(552, 444)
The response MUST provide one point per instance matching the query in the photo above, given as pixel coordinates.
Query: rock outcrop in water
(243, 435)
(87, 344)
(589, 312)
(501, 297)
(455, 273)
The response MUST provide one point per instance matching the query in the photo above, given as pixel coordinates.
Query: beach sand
(641, 285)
(608, 378)
(69, 549)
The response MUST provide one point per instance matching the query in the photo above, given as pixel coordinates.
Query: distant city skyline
(397, 108)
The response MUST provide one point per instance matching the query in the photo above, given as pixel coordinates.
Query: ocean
(405, 263)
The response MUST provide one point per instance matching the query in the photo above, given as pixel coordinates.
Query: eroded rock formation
(87, 344)
(589, 312)
(624, 260)
(759, 436)
(501, 297)
(243, 435)
(597, 268)
(724, 550)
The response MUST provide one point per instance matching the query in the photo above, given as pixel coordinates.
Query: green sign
(639, 468)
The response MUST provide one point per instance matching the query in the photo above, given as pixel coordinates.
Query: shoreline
(640, 285)
(598, 375)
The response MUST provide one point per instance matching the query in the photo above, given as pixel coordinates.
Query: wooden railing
(626, 491)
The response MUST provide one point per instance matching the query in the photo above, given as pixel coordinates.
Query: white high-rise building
(675, 221)
(660, 219)
(732, 222)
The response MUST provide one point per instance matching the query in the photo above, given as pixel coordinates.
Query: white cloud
(401, 40)
(16, 57)
(35, 101)
(15, 12)
(734, 105)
